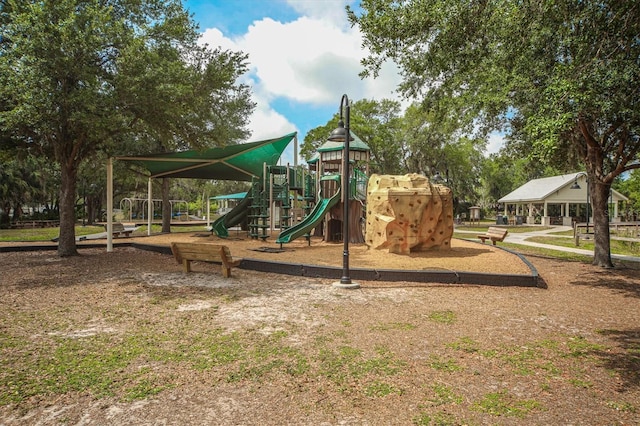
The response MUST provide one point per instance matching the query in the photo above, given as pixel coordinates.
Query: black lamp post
(577, 186)
(343, 134)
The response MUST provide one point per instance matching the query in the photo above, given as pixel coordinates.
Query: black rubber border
(330, 272)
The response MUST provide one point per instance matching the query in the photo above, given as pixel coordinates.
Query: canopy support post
(149, 209)
(109, 204)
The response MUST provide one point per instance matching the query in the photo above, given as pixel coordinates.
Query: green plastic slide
(234, 217)
(311, 221)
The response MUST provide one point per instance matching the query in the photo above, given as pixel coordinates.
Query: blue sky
(303, 56)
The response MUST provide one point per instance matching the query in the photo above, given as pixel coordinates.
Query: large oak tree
(82, 76)
(556, 72)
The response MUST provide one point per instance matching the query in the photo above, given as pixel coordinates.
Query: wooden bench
(494, 234)
(118, 229)
(185, 253)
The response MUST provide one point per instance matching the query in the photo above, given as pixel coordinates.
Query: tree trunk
(599, 193)
(67, 240)
(166, 206)
(17, 212)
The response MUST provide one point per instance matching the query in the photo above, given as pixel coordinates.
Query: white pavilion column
(149, 209)
(566, 219)
(545, 220)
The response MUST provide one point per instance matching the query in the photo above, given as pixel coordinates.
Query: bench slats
(117, 229)
(185, 253)
(494, 234)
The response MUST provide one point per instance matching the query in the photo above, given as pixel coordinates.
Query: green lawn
(47, 234)
(628, 248)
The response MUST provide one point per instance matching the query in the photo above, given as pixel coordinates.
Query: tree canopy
(555, 73)
(79, 77)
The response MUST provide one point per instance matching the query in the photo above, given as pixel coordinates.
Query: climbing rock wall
(408, 213)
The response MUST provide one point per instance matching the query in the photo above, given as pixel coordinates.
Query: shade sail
(234, 162)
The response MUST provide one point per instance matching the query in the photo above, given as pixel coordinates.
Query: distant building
(556, 200)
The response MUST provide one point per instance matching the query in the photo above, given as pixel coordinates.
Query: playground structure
(277, 192)
(408, 213)
(270, 202)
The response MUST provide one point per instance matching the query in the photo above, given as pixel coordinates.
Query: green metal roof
(356, 144)
(236, 196)
(238, 162)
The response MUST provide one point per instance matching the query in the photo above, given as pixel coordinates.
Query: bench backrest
(117, 227)
(497, 232)
(200, 251)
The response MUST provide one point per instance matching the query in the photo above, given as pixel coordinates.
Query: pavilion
(558, 200)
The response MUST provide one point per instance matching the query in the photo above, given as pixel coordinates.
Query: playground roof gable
(233, 162)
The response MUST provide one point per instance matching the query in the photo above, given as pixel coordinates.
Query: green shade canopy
(233, 162)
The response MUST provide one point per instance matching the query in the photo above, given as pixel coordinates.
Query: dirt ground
(273, 349)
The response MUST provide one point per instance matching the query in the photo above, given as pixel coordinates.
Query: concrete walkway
(521, 238)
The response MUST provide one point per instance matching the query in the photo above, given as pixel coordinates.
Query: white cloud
(328, 10)
(312, 60)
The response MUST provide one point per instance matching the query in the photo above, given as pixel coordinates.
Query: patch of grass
(144, 388)
(579, 383)
(43, 234)
(522, 359)
(437, 419)
(47, 234)
(629, 248)
(465, 344)
(579, 347)
(484, 227)
(503, 404)
(449, 365)
(444, 395)
(380, 389)
(443, 317)
(393, 326)
(544, 252)
(348, 365)
(622, 406)
(213, 350)
(66, 365)
(106, 364)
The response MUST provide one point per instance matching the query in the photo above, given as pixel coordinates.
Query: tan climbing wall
(408, 213)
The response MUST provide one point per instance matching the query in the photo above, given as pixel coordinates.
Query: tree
(84, 76)
(439, 146)
(560, 72)
(631, 187)
(376, 123)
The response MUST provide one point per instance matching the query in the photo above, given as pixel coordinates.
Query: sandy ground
(462, 256)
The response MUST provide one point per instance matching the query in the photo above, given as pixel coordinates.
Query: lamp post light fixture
(577, 186)
(343, 134)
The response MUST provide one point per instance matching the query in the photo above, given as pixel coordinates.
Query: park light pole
(577, 186)
(343, 134)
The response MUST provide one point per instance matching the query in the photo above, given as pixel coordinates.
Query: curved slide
(311, 221)
(234, 217)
